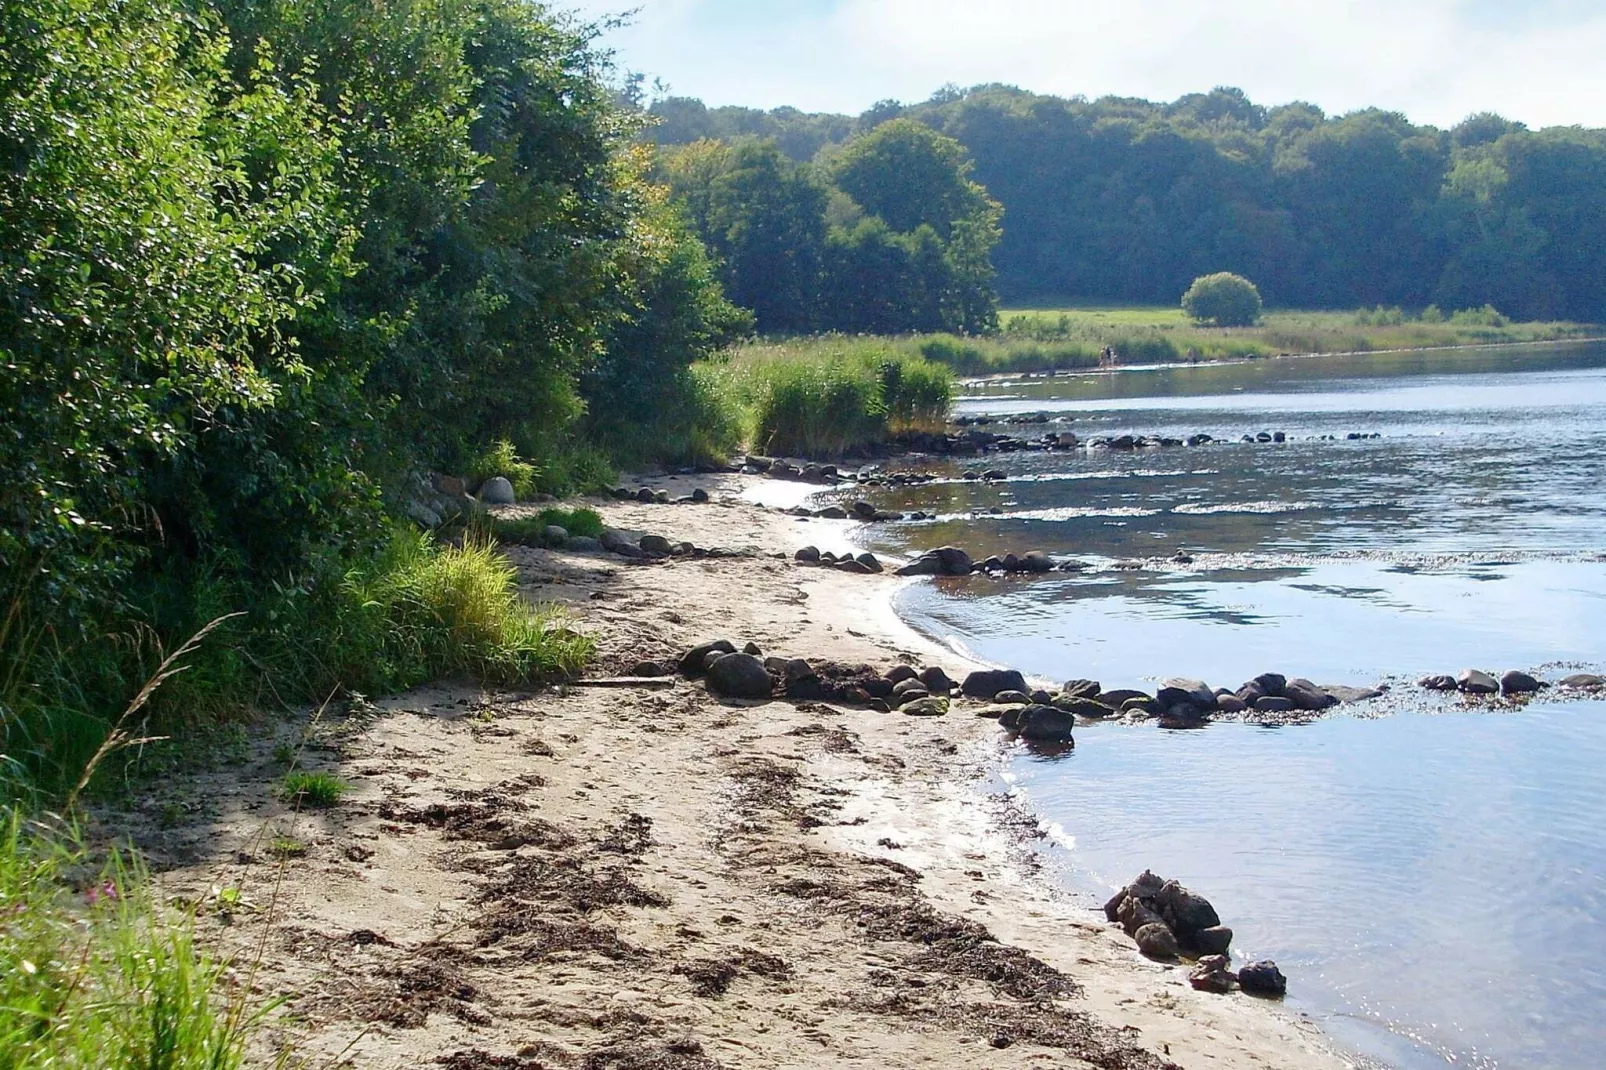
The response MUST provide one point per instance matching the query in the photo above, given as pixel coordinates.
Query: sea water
(1430, 874)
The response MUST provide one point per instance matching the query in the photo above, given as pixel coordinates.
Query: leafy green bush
(1225, 299)
(1487, 316)
(502, 460)
(94, 973)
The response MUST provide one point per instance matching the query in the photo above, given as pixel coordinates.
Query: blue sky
(1540, 61)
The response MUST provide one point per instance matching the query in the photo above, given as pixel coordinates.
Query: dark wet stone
(809, 555)
(1012, 698)
(986, 683)
(1477, 682)
(1518, 683)
(1214, 940)
(1045, 724)
(1270, 683)
(1273, 704)
(936, 680)
(1081, 688)
(1437, 683)
(1263, 979)
(899, 673)
(1156, 940)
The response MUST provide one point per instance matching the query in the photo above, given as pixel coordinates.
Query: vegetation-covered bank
(254, 278)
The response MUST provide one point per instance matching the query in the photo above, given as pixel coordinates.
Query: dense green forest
(1126, 200)
(888, 235)
(261, 263)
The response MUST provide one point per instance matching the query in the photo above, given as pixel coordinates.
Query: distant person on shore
(1193, 355)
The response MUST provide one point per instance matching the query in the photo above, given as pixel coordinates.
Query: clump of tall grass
(832, 395)
(412, 612)
(503, 460)
(95, 973)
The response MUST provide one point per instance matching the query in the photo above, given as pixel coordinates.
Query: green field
(1038, 339)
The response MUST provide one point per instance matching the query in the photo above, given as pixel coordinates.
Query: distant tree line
(888, 233)
(1128, 200)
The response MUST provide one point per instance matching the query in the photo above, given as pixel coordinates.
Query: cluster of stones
(436, 499)
(1508, 684)
(1168, 922)
(748, 674)
(863, 564)
(1182, 703)
(648, 496)
(952, 561)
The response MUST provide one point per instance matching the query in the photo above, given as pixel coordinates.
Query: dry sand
(597, 878)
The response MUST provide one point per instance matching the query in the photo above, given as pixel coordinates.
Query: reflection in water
(1434, 876)
(1435, 886)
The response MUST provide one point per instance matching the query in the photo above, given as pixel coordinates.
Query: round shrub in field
(1225, 299)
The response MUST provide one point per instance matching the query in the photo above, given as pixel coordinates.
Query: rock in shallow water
(986, 683)
(1477, 682)
(1263, 979)
(1045, 724)
(1518, 683)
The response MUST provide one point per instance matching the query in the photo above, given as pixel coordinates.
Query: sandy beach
(650, 877)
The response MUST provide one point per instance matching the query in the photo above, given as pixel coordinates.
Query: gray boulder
(1231, 704)
(936, 681)
(740, 676)
(656, 544)
(1082, 707)
(986, 683)
(1477, 682)
(1437, 683)
(1012, 698)
(1584, 681)
(1045, 724)
(1270, 683)
(692, 662)
(423, 515)
(1037, 562)
(809, 555)
(1120, 696)
(1193, 692)
(1156, 940)
(583, 544)
(555, 535)
(1273, 704)
(899, 673)
(908, 684)
(1518, 683)
(944, 561)
(1212, 941)
(1307, 696)
(1082, 688)
(869, 562)
(497, 491)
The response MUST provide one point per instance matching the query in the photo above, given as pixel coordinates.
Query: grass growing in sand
(316, 790)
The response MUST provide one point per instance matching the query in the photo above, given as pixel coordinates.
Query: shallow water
(1433, 880)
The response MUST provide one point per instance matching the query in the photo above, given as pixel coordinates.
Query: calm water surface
(1432, 879)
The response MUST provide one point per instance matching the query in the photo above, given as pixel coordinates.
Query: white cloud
(1435, 60)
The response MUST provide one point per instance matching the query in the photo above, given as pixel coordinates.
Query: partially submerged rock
(986, 683)
(1477, 682)
(1263, 979)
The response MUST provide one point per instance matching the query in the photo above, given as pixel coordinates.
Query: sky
(1542, 62)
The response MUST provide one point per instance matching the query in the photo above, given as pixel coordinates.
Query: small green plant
(318, 790)
(284, 753)
(285, 847)
(531, 530)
